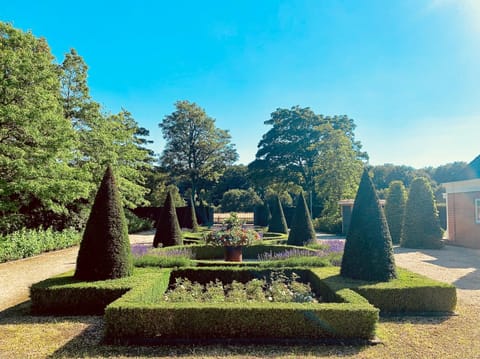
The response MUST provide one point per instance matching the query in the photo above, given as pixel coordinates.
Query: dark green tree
(195, 149)
(168, 231)
(278, 223)
(368, 253)
(262, 214)
(395, 209)
(301, 230)
(192, 216)
(240, 200)
(105, 248)
(421, 225)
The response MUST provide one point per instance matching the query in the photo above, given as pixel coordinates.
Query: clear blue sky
(407, 71)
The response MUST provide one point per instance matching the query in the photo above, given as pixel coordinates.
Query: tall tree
(195, 150)
(290, 150)
(368, 253)
(395, 209)
(36, 141)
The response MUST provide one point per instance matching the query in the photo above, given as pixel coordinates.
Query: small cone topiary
(395, 209)
(421, 225)
(301, 230)
(105, 248)
(191, 220)
(168, 231)
(368, 253)
(262, 215)
(278, 223)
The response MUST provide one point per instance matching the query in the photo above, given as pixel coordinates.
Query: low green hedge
(409, 293)
(128, 320)
(64, 294)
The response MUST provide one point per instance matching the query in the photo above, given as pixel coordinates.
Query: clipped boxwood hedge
(409, 293)
(128, 320)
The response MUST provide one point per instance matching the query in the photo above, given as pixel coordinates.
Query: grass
(23, 335)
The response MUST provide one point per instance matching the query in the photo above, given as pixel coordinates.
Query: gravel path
(456, 265)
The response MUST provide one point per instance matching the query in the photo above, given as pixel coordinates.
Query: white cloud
(469, 9)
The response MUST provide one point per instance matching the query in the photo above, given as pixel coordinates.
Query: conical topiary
(168, 229)
(421, 225)
(395, 209)
(262, 214)
(368, 253)
(278, 223)
(105, 248)
(301, 230)
(191, 217)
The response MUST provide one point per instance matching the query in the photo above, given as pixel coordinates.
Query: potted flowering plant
(232, 236)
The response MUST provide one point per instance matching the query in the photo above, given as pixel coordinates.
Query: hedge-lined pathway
(460, 266)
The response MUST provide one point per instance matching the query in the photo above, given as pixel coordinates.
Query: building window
(477, 210)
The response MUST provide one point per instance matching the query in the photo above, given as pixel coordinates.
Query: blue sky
(407, 71)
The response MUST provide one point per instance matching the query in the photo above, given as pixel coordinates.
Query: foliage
(29, 242)
(234, 177)
(280, 287)
(136, 224)
(368, 253)
(328, 224)
(421, 225)
(232, 234)
(240, 200)
(159, 183)
(301, 230)
(277, 223)
(36, 141)
(262, 214)
(195, 149)
(339, 169)
(192, 216)
(395, 209)
(168, 231)
(105, 248)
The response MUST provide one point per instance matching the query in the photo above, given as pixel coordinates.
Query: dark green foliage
(328, 224)
(191, 216)
(278, 223)
(421, 226)
(408, 293)
(301, 230)
(137, 224)
(262, 215)
(395, 209)
(168, 231)
(368, 253)
(105, 248)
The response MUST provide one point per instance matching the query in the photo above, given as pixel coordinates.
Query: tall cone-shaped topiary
(301, 230)
(421, 225)
(105, 248)
(262, 215)
(168, 229)
(191, 220)
(395, 209)
(278, 223)
(368, 253)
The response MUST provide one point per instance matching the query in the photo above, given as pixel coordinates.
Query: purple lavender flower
(335, 245)
(139, 250)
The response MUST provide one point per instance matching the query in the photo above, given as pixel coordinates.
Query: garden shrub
(191, 217)
(301, 230)
(29, 242)
(105, 248)
(421, 226)
(328, 224)
(136, 224)
(168, 231)
(368, 252)
(261, 215)
(277, 222)
(395, 209)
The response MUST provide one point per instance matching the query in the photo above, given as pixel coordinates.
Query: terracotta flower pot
(233, 253)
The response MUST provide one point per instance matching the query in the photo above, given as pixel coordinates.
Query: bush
(105, 248)
(240, 200)
(301, 230)
(261, 215)
(277, 221)
(136, 224)
(191, 216)
(395, 209)
(421, 226)
(330, 224)
(368, 253)
(29, 242)
(168, 231)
